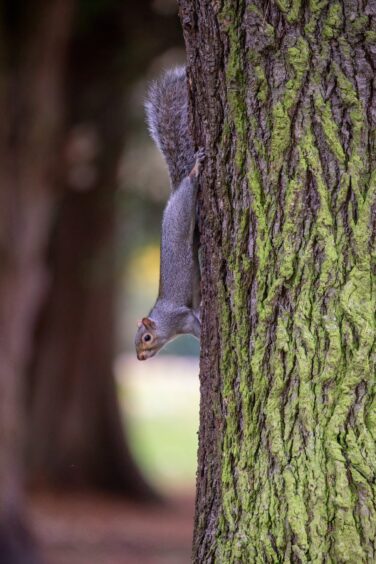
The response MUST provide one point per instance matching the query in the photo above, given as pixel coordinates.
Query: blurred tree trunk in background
(76, 433)
(33, 49)
(283, 96)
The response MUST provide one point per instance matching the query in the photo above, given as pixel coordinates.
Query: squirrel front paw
(199, 158)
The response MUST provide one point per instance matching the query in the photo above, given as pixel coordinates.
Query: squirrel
(176, 311)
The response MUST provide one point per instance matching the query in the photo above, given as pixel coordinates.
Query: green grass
(160, 404)
(166, 450)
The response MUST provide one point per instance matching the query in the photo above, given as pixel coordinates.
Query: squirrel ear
(139, 323)
(148, 323)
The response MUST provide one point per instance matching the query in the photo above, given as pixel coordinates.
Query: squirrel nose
(141, 356)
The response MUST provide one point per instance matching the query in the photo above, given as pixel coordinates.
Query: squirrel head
(168, 322)
(148, 342)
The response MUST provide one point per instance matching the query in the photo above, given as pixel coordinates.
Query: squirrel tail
(167, 117)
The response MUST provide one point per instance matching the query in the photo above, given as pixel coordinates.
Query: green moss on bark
(334, 21)
(281, 114)
(235, 79)
(296, 292)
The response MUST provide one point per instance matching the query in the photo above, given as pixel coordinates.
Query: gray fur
(177, 258)
(176, 310)
(168, 120)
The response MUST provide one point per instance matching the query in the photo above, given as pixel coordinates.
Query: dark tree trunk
(33, 53)
(283, 98)
(76, 434)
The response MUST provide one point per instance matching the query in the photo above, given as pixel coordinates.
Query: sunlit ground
(82, 529)
(160, 398)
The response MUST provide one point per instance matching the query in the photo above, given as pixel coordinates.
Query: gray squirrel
(176, 311)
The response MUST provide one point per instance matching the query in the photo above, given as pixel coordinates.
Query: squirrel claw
(199, 157)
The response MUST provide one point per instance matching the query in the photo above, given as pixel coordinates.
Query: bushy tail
(167, 117)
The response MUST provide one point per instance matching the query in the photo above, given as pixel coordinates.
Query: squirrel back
(167, 117)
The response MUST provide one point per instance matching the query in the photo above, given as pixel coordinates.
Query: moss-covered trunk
(283, 99)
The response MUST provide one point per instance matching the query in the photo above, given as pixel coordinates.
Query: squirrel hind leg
(200, 156)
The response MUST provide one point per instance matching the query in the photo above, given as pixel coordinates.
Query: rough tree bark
(284, 101)
(76, 436)
(33, 48)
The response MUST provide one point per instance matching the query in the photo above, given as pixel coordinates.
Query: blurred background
(97, 450)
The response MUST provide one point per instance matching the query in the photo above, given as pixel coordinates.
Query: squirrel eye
(147, 338)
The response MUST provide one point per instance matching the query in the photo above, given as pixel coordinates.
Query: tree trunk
(76, 437)
(32, 65)
(283, 99)
(76, 434)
